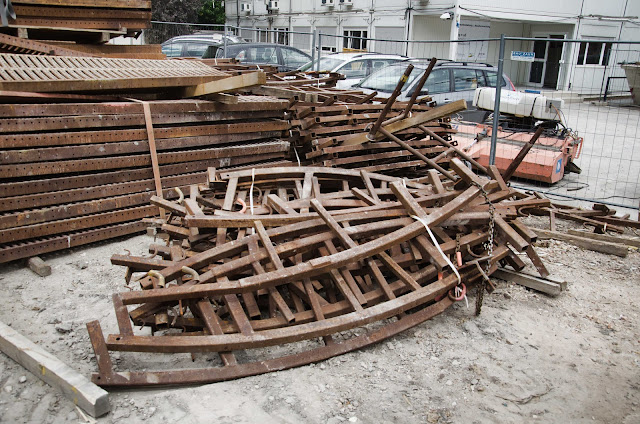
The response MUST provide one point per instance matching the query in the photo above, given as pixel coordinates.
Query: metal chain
(488, 247)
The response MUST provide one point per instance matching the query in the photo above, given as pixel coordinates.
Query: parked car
(286, 58)
(448, 81)
(354, 66)
(197, 44)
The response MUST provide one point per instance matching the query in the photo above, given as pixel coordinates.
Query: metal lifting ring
(181, 194)
(463, 293)
(160, 277)
(243, 204)
(192, 272)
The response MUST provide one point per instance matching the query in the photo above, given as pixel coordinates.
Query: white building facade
(557, 65)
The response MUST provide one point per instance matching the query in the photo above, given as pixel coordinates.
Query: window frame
(281, 34)
(604, 55)
(350, 36)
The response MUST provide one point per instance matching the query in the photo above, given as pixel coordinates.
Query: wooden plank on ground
(76, 387)
(550, 285)
(597, 246)
(635, 242)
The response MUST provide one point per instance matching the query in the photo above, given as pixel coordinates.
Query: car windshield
(386, 79)
(326, 64)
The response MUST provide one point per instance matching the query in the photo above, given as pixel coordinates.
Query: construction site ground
(527, 358)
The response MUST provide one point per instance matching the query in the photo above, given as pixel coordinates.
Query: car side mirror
(424, 92)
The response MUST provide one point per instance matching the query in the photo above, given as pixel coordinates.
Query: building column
(409, 30)
(453, 33)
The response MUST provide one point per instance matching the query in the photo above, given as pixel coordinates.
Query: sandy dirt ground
(528, 357)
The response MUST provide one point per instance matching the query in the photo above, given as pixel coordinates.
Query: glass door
(536, 73)
(545, 68)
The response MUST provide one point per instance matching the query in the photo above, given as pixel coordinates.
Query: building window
(355, 40)
(594, 53)
(282, 36)
(262, 35)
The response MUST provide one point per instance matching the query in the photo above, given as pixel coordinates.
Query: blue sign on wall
(522, 56)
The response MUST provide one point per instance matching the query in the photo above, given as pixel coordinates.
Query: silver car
(197, 45)
(354, 66)
(448, 81)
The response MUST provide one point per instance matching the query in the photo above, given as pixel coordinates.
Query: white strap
(253, 177)
(297, 157)
(435, 242)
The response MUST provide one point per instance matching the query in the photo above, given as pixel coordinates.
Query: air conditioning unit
(347, 2)
(274, 6)
(329, 3)
(246, 7)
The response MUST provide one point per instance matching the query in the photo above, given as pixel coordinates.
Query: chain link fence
(576, 89)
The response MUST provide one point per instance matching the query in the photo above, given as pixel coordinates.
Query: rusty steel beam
(64, 167)
(28, 249)
(212, 375)
(17, 125)
(109, 106)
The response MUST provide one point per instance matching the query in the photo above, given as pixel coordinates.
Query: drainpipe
(455, 29)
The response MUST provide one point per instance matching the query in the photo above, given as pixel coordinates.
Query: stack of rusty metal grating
(322, 133)
(127, 51)
(78, 20)
(235, 67)
(17, 45)
(63, 74)
(274, 268)
(75, 173)
(308, 87)
(348, 129)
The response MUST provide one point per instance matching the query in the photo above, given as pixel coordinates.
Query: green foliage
(212, 12)
(175, 10)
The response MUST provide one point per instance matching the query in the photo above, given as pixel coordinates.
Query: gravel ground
(527, 358)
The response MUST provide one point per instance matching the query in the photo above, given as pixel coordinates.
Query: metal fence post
(224, 40)
(319, 51)
(313, 46)
(496, 106)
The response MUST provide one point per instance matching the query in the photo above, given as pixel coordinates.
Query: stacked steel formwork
(75, 173)
(78, 20)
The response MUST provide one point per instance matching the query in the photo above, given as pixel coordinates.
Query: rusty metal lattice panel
(51, 74)
(9, 43)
